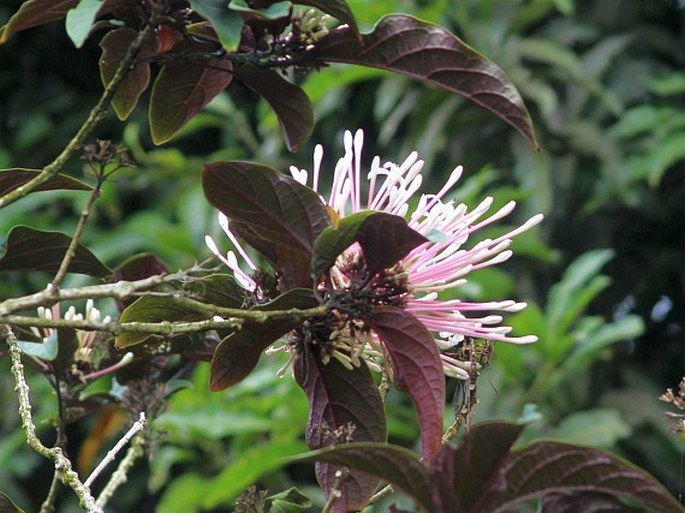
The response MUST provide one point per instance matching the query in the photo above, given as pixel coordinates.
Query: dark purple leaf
(466, 476)
(238, 354)
(290, 104)
(270, 211)
(386, 239)
(7, 506)
(14, 178)
(584, 503)
(336, 8)
(137, 267)
(33, 13)
(27, 249)
(345, 406)
(397, 465)
(417, 368)
(405, 45)
(182, 90)
(115, 46)
(551, 467)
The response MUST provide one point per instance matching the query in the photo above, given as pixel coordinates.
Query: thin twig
(137, 426)
(48, 505)
(97, 114)
(73, 244)
(340, 476)
(120, 475)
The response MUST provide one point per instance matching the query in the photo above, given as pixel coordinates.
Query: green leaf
(152, 309)
(46, 350)
(271, 211)
(26, 249)
(115, 46)
(289, 501)
(7, 506)
(339, 9)
(288, 101)
(347, 402)
(182, 90)
(397, 465)
(332, 241)
(33, 13)
(599, 427)
(80, 20)
(226, 23)
(417, 368)
(408, 46)
(11, 179)
(274, 11)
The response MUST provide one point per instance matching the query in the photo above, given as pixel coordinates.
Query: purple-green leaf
(33, 13)
(270, 211)
(182, 90)
(412, 47)
(26, 249)
(345, 406)
(551, 467)
(115, 46)
(417, 368)
(397, 465)
(152, 309)
(290, 104)
(238, 354)
(14, 178)
(336, 239)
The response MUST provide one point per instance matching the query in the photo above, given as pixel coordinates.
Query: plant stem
(97, 114)
(48, 505)
(73, 245)
(120, 475)
(61, 463)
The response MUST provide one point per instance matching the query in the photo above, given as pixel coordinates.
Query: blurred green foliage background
(605, 83)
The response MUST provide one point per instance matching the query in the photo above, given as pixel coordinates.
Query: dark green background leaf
(26, 249)
(405, 45)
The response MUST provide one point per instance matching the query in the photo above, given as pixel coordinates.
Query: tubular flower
(441, 264)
